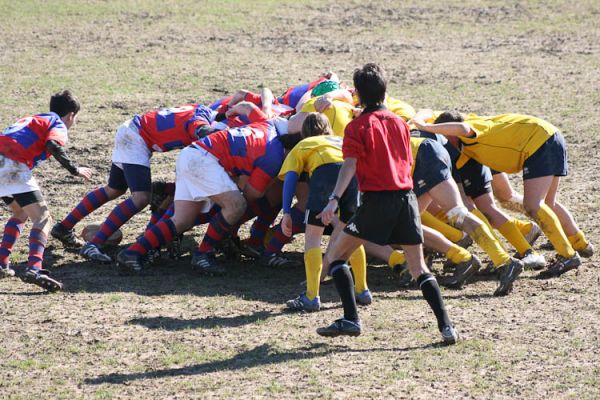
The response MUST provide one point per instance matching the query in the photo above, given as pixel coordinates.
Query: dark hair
(370, 84)
(290, 140)
(316, 124)
(449, 116)
(63, 103)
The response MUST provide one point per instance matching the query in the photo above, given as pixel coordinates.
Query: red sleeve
(352, 146)
(59, 135)
(259, 180)
(256, 115)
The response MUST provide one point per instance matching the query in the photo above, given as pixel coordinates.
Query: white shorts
(130, 148)
(199, 176)
(15, 178)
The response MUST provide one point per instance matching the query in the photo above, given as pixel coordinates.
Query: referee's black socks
(345, 287)
(431, 292)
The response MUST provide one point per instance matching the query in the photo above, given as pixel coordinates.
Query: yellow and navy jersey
(504, 142)
(312, 152)
(339, 115)
(415, 143)
(400, 108)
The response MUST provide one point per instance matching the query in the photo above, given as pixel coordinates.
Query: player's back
(172, 128)
(25, 140)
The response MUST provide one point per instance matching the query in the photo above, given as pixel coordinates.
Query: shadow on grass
(260, 355)
(176, 324)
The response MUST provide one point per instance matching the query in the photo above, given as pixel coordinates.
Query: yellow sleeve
(400, 108)
(293, 162)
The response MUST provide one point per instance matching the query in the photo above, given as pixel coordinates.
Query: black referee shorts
(388, 217)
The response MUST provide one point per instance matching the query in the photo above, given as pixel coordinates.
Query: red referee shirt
(380, 141)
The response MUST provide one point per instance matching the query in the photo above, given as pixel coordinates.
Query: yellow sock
(514, 236)
(488, 243)
(457, 254)
(358, 263)
(523, 225)
(551, 227)
(397, 257)
(484, 219)
(578, 241)
(313, 264)
(441, 215)
(451, 233)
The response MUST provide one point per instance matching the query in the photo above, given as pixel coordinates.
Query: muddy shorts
(129, 146)
(199, 176)
(15, 177)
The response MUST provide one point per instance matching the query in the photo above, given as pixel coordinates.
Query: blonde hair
(316, 124)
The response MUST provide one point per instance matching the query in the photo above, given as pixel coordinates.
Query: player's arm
(267, 98)
(59, 153)
(447, 128)
(247, 109)
(347, 172)
(325, 101)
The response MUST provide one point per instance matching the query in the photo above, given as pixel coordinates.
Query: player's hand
(286, 225)
(419, 123)
(323, 103)
(269, 112)
(85, 173)
(328, 212)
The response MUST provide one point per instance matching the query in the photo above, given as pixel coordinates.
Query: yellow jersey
(415, 143)
(400, 108)
(312, 152)
(504, 142)
(339, 115)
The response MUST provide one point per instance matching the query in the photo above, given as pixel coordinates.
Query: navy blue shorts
(452, 151)
(432, 167)
(549, 160)
(136, 177)
(475, 178)
(321, 185)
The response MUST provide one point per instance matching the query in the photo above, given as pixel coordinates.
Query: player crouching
(24, 146)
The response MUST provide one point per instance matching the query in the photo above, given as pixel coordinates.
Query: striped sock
(204, 218)
(92, 201)
(12, 231)
(117, 217)
(261, 226)
(279, 239)
(155, 217)
(159, 234)
(217, 230)
(37, 245)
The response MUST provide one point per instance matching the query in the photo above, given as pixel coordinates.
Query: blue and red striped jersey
(172, 128)
(25, 140)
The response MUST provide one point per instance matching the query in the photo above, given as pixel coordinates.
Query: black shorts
(24, 199)
(475, 178)
(549, 160)
(389, 217)
(321, 185)
(432, 167)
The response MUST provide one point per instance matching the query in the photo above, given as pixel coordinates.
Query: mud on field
(176, 335)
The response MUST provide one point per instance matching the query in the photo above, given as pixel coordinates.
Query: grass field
(176, 335)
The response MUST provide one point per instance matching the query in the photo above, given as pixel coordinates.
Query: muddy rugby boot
(129, 263)
(364, 298)
(533, 260)
(206, 264)
(449, 335)
(507, 274)
(66, 236)
(560, 266)
(6, 271)
(92, 252)
(341, 327)
(462, 272)
(303, 303)
(41, 278)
